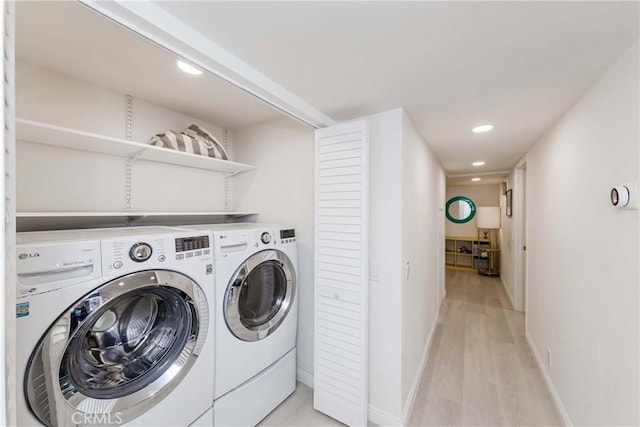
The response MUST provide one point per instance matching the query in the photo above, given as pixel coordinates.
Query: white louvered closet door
(8, 386)
(341, 267)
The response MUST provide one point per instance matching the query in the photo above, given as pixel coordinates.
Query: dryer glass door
(263, 292)
(128, 341)
(260, 295)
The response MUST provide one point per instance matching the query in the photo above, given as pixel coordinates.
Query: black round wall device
(620, 196)
(615, 197)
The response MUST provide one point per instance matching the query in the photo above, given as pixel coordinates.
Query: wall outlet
(549, 357)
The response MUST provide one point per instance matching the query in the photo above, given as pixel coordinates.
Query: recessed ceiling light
(478, 163)
(188, 68)
(482, 128)
(475, 179)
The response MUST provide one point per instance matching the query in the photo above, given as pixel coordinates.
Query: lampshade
(488, 217)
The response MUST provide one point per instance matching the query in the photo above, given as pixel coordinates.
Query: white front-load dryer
(115, 326)
(256, 284)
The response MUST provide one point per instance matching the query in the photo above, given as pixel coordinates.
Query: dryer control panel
(288, 235)
(269, 238)
(240, 242)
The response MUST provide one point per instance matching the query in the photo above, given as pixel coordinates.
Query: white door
(341, 267)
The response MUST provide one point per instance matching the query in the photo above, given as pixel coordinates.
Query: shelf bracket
(136, 156)
(130, 219)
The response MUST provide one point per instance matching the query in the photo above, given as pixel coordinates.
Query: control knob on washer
(266, 238)
(140, 252)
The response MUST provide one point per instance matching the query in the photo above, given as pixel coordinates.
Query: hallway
(480, 370)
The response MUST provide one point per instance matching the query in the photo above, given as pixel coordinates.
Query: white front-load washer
(256, 319)
(115, 326)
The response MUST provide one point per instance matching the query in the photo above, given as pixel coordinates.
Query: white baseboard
(506, 289)
(413, 391)
(374, 414)
(382, 418)
(304, 377)
(547, 378)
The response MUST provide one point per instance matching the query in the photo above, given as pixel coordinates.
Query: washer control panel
(195, 246)
(153, 251)
(120, 254)
(140, 252)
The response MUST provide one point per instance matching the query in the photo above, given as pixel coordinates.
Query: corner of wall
(506, 288)
(304, 377)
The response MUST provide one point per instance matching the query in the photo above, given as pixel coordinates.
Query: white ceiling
(451, 65)
(70, 39)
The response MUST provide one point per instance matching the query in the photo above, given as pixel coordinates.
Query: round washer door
(259, 295)
(119, 350)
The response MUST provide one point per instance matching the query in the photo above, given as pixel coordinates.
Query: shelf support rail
(225, 205)
(129, 162)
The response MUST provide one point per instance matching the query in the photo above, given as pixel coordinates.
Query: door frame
(520, 235)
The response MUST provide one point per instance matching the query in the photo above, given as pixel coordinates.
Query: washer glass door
(259, 295)
(132, 339)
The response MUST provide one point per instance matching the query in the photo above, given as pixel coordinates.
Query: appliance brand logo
(29, 255)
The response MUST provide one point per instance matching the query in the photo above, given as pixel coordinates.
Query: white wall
(582, 301)
(482, 195)
(281, 190)
(57, 179)
(407, 189)
(385, 301)
(423, 193)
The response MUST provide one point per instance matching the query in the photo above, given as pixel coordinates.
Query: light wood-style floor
(480, 370)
